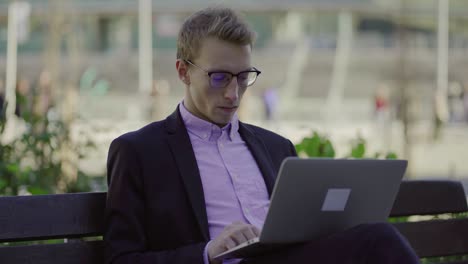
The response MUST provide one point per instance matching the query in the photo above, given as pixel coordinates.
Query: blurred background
(75, 74)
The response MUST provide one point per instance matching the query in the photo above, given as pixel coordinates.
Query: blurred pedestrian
(441, 114)
(24, 98)
(43, 99)
(465, 102)
(270, 101)
(2, 96)
(455, 102)
(383, 116)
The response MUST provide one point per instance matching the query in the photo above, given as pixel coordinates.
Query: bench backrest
(81, 215)
(439, 237)
(63, 216)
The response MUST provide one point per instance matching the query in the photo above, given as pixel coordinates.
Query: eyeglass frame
(209, 73)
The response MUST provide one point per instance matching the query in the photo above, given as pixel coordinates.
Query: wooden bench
(61, 216)
(433, 238)
(75, 218)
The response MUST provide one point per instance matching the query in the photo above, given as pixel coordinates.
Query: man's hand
(232, 235)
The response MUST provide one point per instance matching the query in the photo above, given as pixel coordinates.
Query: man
(187, 188)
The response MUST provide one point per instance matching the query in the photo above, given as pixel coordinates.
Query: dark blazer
(155, 210)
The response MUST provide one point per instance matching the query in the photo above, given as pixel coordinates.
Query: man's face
(216, 105)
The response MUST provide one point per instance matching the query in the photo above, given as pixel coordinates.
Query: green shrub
(34, 163)
(319, 145)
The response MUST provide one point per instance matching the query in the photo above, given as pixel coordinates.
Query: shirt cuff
(206, 259)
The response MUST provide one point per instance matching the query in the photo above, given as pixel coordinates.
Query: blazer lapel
(261, 155)
(182, 151)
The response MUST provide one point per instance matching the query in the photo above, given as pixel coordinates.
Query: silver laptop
(313, 198)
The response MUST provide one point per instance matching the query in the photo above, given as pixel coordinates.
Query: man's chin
(221, 122)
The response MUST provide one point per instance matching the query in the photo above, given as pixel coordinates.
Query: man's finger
(249, 233)
(234, 225)
(229, 243)
(239, 237)
(256, 231)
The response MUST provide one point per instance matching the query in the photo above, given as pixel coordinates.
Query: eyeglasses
(221, 79)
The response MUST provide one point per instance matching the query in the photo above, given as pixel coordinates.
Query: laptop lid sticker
(336, 200)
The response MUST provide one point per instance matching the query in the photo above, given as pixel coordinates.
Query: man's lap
(369, 243)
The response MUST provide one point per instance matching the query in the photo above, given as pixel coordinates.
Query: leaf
(328, 150)
(23, 177)
(391, 155)
(311, 146)
(13, 168)
(299, 148)
(358, 150)
(36, 190)
(3, 184)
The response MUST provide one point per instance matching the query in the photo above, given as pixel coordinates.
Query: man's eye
(219, 76)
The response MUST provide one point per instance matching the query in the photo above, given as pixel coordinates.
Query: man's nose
(232, 90)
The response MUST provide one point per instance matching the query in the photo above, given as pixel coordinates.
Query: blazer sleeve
(125, 236)
(292, 149)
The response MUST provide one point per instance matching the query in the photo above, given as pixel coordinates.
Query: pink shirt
(233, 185)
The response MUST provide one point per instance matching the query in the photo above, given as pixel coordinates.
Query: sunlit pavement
(109, 117)
(445, 158)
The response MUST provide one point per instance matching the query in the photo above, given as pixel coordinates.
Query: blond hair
(219, 22)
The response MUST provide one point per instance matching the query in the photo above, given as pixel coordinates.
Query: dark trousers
(364, 244)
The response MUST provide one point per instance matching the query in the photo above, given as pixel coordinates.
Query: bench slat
(71, 253)
(437, 237)
(82, 214)
(429, 197)
(51, 216)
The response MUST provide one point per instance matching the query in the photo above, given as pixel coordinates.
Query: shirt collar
(204, 129)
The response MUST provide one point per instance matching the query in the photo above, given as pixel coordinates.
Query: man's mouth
(228, 108)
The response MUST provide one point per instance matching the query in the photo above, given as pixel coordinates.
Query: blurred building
(100, 33)
(93, 44)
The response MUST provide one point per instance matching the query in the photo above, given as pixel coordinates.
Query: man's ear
(182, 70)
